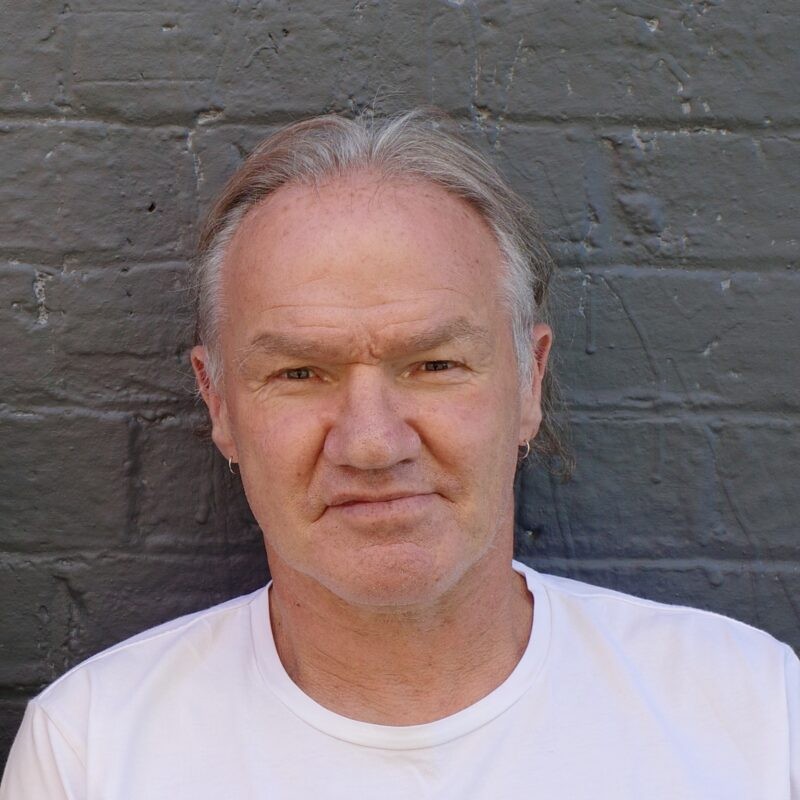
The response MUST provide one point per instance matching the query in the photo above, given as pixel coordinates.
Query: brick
(629, 497)
(702, 63)
(34, 57)
(268, 66)
(711, 196)
(106, 337)
(66, 487)
(756, 467)
(169, 74)
(38, 633)
(81, 7)
(207, 510)
(98, 189)
(700, 340)
(698, 62)
(667, 488)
(242, 58)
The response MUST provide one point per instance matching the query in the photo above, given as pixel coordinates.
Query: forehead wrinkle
(280, 343)
(459, 329)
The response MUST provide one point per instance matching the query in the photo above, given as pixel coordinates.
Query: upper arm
(43, 763)
(793, 703)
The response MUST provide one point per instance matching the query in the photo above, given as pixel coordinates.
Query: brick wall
(661, 145)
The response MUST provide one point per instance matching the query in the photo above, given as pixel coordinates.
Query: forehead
(360, 244)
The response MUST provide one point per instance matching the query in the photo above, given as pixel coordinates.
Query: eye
(437, 366)
(297, 374)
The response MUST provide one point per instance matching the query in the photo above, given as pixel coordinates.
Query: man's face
(370, 390)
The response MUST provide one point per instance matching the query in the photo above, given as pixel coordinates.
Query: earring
(527, 452)
(230, 465)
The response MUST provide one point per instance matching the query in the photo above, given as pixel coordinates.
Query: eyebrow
(279, 343)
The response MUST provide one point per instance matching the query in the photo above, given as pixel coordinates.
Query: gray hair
(420, 144)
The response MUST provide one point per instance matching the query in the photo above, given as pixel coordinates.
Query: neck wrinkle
(403, 668)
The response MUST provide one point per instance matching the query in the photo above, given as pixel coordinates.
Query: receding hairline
(364, 176)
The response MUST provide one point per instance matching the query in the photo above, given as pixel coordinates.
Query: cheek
(278, 448)
(473, 440)
(483, 421)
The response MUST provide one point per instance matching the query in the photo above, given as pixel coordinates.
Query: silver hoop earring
(527, 452)
(230, 465)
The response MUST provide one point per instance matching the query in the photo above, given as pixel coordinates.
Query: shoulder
(172, 651)
(647, 631)
(136, 688)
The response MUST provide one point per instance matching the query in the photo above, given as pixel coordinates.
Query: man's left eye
(297, 374)
(437, 366)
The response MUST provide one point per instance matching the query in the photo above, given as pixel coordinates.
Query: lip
(372, 507)
(358, 499)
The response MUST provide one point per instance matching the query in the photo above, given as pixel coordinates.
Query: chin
(394, 576)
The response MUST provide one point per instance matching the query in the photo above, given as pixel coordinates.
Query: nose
(369, 431)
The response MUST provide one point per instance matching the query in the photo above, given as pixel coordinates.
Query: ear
(531, 409)
(221, 429)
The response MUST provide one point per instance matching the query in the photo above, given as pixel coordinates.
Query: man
(372, 351)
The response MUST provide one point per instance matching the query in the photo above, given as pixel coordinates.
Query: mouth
(354, 499)
(377, 506)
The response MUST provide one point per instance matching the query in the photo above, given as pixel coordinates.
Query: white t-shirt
(615, 697)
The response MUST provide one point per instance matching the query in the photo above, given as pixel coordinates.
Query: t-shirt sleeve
(43, 763)
(793, 699)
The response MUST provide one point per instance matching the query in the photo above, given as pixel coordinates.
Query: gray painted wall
(661, 145)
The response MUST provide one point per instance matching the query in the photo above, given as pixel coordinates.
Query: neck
(406, 666)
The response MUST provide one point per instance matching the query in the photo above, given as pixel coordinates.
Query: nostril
(371, 446)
